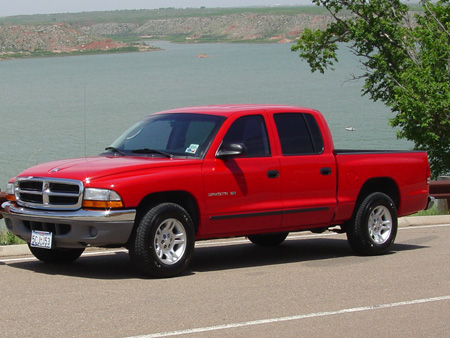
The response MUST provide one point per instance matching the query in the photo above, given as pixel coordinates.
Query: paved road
(311, 286)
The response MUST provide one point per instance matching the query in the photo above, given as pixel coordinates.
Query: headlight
(101, 198)
(10, 192)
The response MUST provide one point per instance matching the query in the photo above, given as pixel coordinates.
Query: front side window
(174, 134)
(299, 134)
(250, 131)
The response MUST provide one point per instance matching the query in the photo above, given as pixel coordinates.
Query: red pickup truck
(188, 174)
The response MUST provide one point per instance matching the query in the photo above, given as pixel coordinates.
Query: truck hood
(91, 168)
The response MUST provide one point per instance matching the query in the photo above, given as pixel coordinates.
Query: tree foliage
(406, 64)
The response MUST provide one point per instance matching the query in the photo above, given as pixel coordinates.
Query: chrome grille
(49, 193)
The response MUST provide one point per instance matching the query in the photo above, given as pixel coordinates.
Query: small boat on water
(349, 128)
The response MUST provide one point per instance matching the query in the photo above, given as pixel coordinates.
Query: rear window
(299, 134)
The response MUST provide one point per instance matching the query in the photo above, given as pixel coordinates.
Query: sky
(26, 7)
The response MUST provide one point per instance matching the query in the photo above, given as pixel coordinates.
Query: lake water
(53, 108)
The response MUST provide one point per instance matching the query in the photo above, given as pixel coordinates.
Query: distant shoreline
(44, 54)
(5, 56)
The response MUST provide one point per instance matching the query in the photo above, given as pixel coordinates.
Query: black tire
(56, 256)
(374, 227)
(163, 245)
(272, 239)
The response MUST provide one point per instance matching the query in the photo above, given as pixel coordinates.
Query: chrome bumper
(82, 227)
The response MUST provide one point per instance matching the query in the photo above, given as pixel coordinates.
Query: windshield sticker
(192, 149)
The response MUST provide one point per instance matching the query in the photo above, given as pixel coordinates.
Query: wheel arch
(385, 185)
(183, 198)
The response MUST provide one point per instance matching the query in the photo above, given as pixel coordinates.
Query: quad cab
(195, 173)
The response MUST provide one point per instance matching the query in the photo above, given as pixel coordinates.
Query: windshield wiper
(117, 150)
(151, 151)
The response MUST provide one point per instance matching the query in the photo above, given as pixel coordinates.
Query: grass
(431, 212)
(7, 238)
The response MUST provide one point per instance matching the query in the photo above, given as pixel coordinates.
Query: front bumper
(71, 229)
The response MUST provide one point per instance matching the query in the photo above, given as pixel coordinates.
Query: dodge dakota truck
(196, 173)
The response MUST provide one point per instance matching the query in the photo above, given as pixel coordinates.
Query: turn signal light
(102, 204)
(11, 198)
(10, 192)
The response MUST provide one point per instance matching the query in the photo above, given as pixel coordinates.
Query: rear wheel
(272, 239)
(164, 242)
(373, 230)
(58, 255)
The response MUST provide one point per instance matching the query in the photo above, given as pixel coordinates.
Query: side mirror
(227, 150)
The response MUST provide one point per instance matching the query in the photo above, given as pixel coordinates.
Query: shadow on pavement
(323, 251)
(103, 266)
(318, 252)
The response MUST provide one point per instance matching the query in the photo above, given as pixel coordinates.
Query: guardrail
(440, 190)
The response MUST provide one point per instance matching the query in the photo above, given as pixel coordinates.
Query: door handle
(325, 171)
(273, 174)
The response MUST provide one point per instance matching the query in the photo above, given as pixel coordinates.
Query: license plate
(41, 239)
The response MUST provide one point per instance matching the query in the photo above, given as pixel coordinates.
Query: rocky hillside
(25, 38)
(245, 26)
(56, 38)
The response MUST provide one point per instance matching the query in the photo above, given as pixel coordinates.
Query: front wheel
(56, 256)
(374, 227)
(164, 241)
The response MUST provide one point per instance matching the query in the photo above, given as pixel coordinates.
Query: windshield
(169, 135)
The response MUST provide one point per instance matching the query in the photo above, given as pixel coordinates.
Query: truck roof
(229, 109)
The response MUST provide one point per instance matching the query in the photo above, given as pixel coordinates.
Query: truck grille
(49, 193)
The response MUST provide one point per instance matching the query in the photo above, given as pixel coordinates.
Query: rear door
(308, 172)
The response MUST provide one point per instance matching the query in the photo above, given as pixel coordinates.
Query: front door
(243, 193)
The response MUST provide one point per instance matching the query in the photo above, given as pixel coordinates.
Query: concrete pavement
(311, 286)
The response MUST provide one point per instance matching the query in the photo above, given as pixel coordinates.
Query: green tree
(406, 64)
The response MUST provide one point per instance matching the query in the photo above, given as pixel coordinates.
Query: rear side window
(299, 134)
